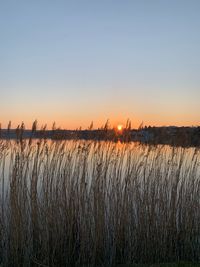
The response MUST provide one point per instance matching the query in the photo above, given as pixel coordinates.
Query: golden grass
(79, 203)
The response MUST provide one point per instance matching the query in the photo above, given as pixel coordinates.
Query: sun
(119, 127)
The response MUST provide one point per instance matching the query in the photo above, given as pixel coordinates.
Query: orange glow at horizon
(119, 127)
(75, 122)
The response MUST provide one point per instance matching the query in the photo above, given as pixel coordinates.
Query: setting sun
(119, 127)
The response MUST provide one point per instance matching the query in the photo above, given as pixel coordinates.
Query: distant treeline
(172, 135)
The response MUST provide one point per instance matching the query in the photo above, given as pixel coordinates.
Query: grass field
(180, 264)
(163, 265)
(80, 203)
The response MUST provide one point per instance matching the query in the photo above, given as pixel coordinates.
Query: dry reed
(80, 203)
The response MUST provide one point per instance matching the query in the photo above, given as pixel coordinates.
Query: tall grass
(78, 203)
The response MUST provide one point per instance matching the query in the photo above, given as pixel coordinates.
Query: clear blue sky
(78, 61)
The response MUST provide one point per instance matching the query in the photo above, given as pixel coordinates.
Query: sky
(74, 62)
